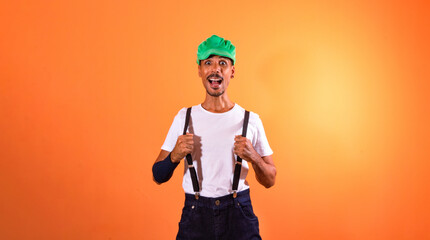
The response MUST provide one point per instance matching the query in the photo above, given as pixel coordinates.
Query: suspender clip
(234, 194)
(197, 194)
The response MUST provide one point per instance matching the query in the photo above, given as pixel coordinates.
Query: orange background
(89, 89)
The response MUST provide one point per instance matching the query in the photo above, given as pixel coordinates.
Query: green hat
(216, 46)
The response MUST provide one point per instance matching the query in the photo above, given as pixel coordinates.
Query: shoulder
(181, 114)
(183, 111)
(254, 118)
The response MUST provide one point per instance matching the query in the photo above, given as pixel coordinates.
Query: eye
(222, 63)
(207, 62)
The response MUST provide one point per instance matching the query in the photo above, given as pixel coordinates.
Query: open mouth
(215, 80)
(214, 83)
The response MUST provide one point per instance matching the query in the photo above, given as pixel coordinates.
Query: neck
(217, 104)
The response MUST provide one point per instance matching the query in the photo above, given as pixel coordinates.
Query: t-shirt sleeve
(174, 132)
(261, 143)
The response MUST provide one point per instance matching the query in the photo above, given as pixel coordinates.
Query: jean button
(217, 202)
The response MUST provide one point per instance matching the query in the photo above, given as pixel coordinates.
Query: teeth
(218, 81)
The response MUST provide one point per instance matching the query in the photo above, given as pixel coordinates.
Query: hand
(184, 145)
(244, 149)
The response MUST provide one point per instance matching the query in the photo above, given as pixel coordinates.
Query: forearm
(162, 171)
(265, 170)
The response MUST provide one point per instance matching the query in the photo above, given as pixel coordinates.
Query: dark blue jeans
(219, 218)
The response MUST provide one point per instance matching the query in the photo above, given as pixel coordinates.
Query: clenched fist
(244, 149)
(184, 145)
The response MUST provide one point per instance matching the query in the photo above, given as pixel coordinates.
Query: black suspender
(190, 160)
(238, 165)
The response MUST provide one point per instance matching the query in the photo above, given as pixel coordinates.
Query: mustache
(214, 75)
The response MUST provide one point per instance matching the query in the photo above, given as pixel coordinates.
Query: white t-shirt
(213, 156)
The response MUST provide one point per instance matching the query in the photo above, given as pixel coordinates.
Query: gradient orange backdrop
(88, 90)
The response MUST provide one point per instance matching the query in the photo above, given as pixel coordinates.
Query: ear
(232, 72)
(199, 70)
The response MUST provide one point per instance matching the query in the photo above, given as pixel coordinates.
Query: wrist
(173, 158)
(256, 158)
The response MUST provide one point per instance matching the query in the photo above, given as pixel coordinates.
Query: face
(216, 72)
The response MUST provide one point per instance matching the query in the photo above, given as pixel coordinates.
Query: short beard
(215, 94)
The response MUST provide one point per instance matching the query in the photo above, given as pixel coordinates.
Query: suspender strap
(190, 159)
(238, 165)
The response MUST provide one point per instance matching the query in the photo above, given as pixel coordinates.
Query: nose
(216, 68)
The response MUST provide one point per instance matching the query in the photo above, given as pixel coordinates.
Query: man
(215, 206)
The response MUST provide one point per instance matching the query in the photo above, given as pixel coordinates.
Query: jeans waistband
(224, 201)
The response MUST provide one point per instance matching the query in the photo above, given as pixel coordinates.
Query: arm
(264, 167)
(163, 168)
(166, 161)
(265, 170)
